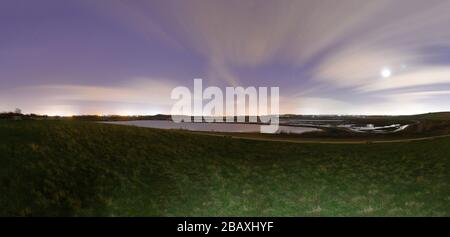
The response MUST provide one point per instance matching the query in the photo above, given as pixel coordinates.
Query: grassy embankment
(56, 168)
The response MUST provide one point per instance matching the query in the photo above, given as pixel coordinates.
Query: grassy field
(69, 168)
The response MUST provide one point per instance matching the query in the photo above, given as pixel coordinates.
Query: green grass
(56, 168)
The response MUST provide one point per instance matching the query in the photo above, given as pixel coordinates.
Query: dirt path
(318, 141)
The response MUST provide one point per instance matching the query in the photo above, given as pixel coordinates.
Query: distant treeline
(19, 116)
(354, 119)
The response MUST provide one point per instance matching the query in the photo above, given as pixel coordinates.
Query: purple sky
(124, 57)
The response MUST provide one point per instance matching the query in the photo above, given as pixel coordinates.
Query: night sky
(124, 57)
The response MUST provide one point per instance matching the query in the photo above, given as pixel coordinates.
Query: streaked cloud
(427, 76)
(382, 106)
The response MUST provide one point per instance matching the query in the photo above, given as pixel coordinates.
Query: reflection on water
(210, 127)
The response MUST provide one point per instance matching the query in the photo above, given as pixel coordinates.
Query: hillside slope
(55, 168)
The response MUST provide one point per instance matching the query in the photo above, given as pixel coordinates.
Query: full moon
(386, 72)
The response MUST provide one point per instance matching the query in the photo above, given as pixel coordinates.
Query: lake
(210, 127)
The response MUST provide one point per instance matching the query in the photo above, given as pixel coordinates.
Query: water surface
(210, 127)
